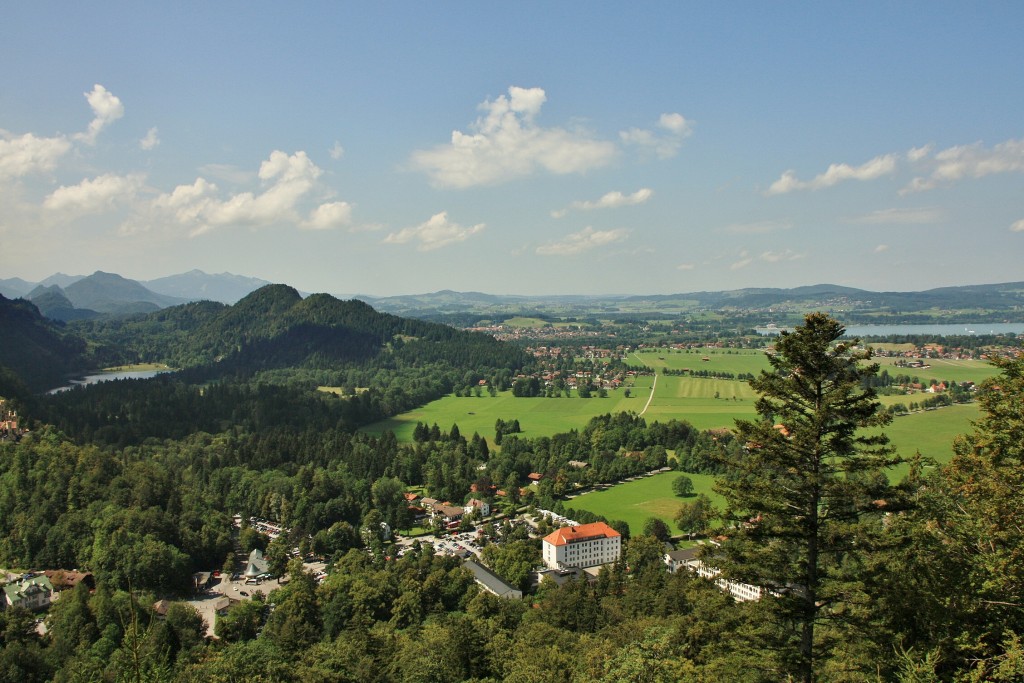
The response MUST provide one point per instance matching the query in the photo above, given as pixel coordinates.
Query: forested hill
(275, 328)
(36, 350)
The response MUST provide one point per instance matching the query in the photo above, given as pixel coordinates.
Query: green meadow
(704, 402)
(735, 361)
(930, 432)
(636, 501)
(537, 416)
(942, 369)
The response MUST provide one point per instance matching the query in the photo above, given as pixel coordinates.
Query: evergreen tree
(802, 493)
(966, 558)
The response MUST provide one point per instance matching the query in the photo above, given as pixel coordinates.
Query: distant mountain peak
(196, 285)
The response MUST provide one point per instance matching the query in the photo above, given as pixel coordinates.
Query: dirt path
(651, 397)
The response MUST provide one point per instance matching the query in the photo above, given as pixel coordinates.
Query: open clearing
(930, 432)
(942, 369)
(636, 501)
(706, 403)
(537, 416)
(735, 361)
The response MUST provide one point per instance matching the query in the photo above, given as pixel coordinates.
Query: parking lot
(236, 589)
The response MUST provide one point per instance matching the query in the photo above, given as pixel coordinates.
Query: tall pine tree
(806, 493)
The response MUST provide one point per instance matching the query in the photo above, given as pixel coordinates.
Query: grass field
(735, 361)
(943, 369)
(705, 403)
(537, 416)
(931, 432)
(635, 501)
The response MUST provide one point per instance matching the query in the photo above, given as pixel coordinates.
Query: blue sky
(529, 148)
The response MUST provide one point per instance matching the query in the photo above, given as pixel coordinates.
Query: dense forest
(136, 481)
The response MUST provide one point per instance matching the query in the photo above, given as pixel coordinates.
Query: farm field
(692, 399)
(735, 361)
(943, 369)
(931, 432)
(704, 403)
(537, 416)
(635, 501)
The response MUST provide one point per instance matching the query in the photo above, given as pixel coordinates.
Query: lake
(107, 377)
(944, 330)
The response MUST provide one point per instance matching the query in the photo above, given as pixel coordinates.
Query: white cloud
(187, 202)
(581, 241)
(744, 261)
(898, 216)
(836, 173)
(506, 143)
(435, 233)
(675, 123)
(337, 151)
(757, 227)
(106, 108)
(685, 266)
(666, 144)
(25, 154)
(881, 247)
(287, 179)
(151, 140)
(915, 154)
(611, 200)
(91, 196)
(969, 161)
(1018, 226)
(777, 256)
(328, 216)
(746, 258)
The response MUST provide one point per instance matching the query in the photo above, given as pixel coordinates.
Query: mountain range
(70, 297)
(274, 328)
(66, 298)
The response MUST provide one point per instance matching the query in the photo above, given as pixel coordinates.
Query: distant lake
(107, 377)
(948, 330)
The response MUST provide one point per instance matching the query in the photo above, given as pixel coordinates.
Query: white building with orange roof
(585, 545)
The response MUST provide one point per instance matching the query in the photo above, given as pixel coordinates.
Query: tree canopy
(807, 491)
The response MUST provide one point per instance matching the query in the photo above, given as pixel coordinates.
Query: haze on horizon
(529, 149)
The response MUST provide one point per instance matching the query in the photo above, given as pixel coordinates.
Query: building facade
(31, 593)
(690, 559)
(586, 545)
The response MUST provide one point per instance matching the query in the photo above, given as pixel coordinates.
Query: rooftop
(583, 532)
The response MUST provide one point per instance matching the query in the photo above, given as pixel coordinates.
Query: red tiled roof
(583, 532)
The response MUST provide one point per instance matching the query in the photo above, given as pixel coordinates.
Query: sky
(385, 148)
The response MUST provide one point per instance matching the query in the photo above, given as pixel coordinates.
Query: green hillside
(35, 349)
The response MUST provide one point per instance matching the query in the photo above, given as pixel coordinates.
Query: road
(651, 397)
